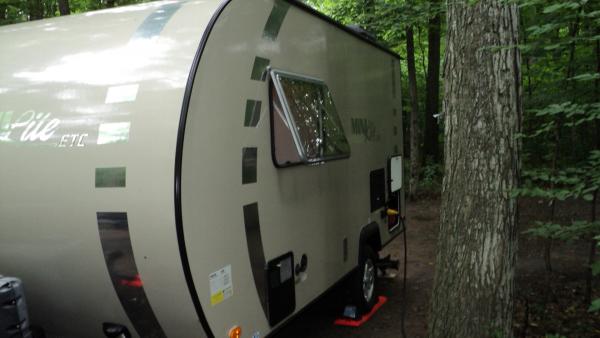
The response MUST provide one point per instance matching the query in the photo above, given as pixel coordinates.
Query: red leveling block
(364, 318)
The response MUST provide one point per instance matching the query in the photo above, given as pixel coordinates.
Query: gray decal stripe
(156, 22)
(275, 20)
(252, 113)
(249, 158)
(259, 69)
(256, 251)
(111, 177)
(118, 254)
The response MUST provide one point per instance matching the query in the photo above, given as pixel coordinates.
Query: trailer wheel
(366, 280)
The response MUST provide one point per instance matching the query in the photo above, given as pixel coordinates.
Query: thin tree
(593, 243)
(36, 9)
(473, 285)
(3, 12)
(415, 128)
(432, 100)
(63, 7)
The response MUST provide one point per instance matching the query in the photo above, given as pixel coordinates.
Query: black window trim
(274, 81)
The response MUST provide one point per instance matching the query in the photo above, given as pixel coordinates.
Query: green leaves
(571, 115)
(586, 77)
(543, 29)
(575, 231)
(595, 305)
(596, 268)
(574, 182)
(561, 6)
(14, 11)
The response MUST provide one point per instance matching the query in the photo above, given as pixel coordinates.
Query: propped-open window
(306, 126)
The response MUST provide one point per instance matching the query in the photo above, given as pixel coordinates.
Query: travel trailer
(200, 168)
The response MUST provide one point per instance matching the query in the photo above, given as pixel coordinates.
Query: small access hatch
(281, 295)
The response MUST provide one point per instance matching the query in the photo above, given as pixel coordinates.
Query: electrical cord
(403, 308)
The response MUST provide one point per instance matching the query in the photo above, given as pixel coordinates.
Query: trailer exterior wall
(119, 78)
(106, 90)
(303, 209)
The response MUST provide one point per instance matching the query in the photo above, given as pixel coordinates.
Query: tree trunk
(3, 14)
(553, 171)
(422, 49)
(111, 3)
(49, 8)
(433, 85)
(63, 7)
(573, 30)
(597, 81)
(475, 264)
(36, 9)
(369, 13)
(593, 243)
(592, 254)
(527, 62)
(415, 128)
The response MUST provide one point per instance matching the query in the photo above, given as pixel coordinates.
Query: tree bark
(415, 128)
(593, 244)
(3, 16)
(63, 7)
(36, 9)
(369, 13)
(422, 49)
(592, 254)
(433, 85)
(527, 62)
(597, 87)
(473, 286)
(553, 171)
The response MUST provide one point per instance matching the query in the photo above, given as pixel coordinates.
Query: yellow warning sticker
(221, 285)
(216, 298)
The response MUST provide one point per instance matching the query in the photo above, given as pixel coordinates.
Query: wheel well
(369, 235)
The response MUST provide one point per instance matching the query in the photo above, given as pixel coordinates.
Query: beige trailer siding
(81, 70)
(304, 209)
(90, 109)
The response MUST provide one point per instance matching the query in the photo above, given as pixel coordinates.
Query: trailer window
(306, 126)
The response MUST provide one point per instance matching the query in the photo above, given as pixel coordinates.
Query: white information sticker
(221, 285)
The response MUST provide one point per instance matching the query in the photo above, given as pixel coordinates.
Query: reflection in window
(306, 125)
(284, 148)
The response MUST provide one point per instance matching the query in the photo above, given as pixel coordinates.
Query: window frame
(289, 119)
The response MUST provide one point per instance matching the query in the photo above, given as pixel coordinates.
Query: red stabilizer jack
(364, 319)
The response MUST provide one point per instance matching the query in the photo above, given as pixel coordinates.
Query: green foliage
(595, 306)
(15, 11)
(432, 176)
(562, 117)
(596, 268)
(572, 182)
(575, 231)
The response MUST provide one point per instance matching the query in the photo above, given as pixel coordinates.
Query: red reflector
(136, 282)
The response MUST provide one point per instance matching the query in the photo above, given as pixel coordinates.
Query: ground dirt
(546, 303)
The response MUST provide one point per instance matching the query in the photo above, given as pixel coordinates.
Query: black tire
(365, 284)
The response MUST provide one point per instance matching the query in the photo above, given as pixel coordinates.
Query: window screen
(306, 126)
